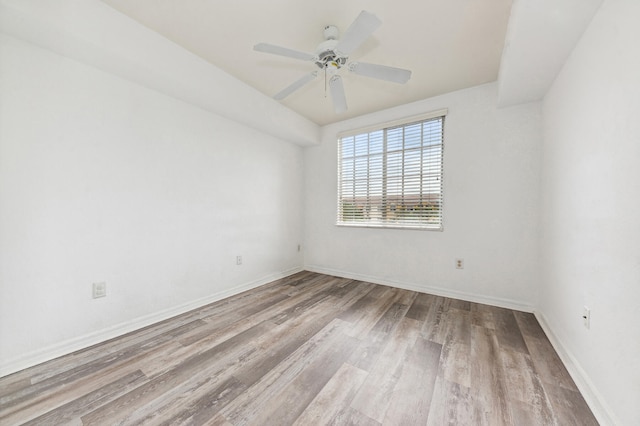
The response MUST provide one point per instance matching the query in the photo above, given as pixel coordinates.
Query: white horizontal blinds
(392, 177)
(361, 178)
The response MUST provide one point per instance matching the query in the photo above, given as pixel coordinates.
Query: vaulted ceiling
(448, 45)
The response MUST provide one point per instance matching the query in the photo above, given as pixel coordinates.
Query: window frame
(412, 221)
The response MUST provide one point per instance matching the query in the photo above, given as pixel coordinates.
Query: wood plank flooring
(310, 349)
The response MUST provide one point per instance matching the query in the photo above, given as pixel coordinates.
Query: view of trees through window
(392, 177)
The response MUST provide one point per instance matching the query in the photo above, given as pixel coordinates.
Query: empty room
(291, 212)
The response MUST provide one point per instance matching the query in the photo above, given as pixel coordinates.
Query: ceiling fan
(332, 54)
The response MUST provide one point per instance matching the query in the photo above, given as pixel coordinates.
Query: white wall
(104, 180)
(491, 189)
(591, 212)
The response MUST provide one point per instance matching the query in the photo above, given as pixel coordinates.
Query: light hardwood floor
(310, 349)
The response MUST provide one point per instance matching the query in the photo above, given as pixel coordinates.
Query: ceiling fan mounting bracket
(331, 32)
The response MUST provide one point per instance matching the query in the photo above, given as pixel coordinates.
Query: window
(391, 177)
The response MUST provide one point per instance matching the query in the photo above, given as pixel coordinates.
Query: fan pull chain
(325, 80)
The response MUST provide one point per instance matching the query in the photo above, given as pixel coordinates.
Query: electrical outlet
(238, 260)
(586, 317)
(459, 263)
(99, 290)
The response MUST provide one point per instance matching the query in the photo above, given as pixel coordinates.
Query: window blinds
(392, 177)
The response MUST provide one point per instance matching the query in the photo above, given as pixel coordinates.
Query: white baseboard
(68, 346)
(438, 291)
(594, 399)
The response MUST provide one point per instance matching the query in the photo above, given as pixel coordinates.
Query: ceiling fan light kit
(332, 55)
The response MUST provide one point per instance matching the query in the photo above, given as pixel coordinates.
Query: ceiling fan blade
(337, 94)
(295, 86)
(360, 30)
(382, 72)
(283, 51)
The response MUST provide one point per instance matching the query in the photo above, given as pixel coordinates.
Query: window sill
(387, 226)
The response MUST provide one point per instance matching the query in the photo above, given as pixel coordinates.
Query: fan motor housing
(327, 55)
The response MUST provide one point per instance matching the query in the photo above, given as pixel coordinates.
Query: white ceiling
(448, 45)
